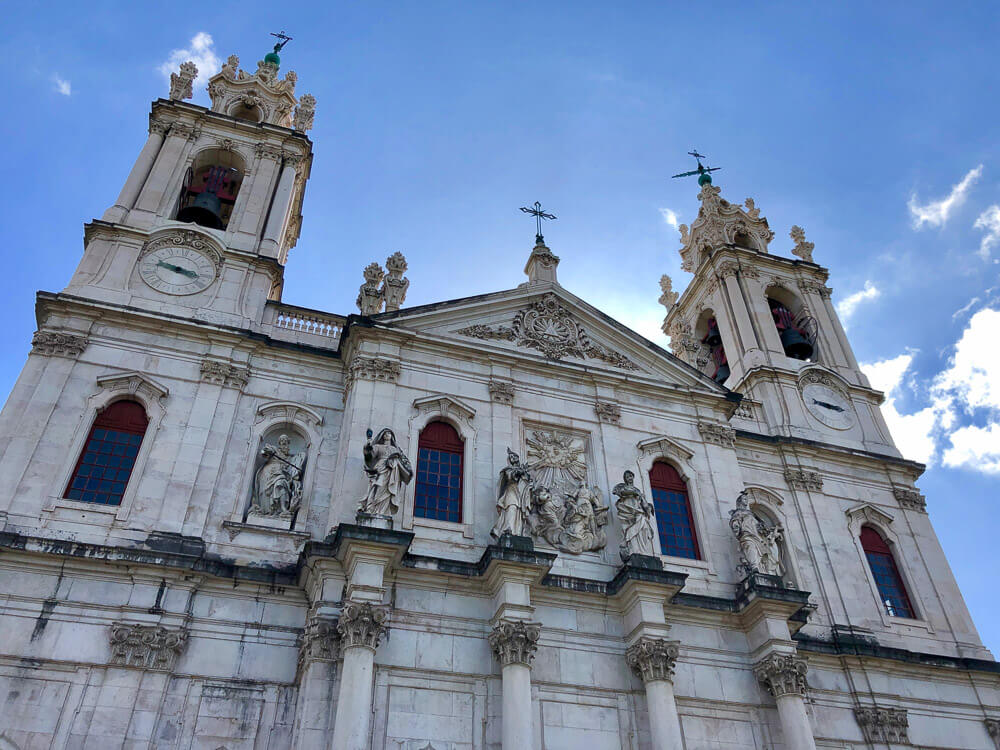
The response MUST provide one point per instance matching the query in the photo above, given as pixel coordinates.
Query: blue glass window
(673, 512)
(105, 465)
(438, 493)
(891, 590)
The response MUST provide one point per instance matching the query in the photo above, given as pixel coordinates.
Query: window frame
(675, 488)
(450, 449)
(119, 428)
(900, 584)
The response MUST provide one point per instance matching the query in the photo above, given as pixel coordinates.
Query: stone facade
(177, 618)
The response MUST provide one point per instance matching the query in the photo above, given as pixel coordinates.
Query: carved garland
(783, 674)
(514, 641)
(653, 658)
(146, 646)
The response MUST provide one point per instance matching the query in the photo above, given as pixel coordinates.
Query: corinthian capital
(653, 658)
(784, 674)
(362, 624)
(515, 641)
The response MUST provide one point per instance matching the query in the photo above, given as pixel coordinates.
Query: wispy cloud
(913, 433)
(670, 217)
(989, 222)
(847, 306)
(936, 213)
(200, 51)
(61, 85)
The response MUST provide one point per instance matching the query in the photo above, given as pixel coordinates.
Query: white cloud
(913, 433)
(670, 217)
(936, 213)
(201, 52)
(61, 85)
(847, 306)
(989, 222)
(972, 380)
(975, 448)
(965, 308)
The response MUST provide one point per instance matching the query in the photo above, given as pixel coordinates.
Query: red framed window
(106, 462)
(440, 457)
(673, 512)
(891, 590)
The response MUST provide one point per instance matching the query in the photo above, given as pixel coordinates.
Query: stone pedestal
(653, 661)
(514, 643)
(785, 677)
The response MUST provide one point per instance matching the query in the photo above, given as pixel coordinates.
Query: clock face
(828, 405)
(177, 270)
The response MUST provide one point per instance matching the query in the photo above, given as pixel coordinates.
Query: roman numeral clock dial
(177, 270)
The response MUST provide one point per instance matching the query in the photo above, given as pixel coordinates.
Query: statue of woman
(638, 519)
(389, 471)
(585, 515)
(513, 498)
(277, 487)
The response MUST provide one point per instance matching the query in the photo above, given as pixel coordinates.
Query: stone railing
(301, 320)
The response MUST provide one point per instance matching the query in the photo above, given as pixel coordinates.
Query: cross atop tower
(702, 171)
(539, 214)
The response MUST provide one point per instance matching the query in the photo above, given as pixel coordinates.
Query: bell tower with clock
(212, 206)
(765, 326)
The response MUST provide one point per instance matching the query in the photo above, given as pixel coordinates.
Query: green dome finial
(704, 179)
(272, 57)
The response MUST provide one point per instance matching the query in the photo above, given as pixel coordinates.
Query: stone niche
(276, 490)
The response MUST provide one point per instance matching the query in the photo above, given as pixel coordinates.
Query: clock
(828, 405)
(177, 269)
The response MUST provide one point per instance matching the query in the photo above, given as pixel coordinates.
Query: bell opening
(210, 189)
(797, 335)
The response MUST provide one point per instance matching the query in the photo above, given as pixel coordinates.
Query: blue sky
(872, 127)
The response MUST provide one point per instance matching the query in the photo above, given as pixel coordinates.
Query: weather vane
(283, 39)
(704, 178)
(539, 214)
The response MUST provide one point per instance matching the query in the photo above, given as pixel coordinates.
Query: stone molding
(883, 725)
(993, 730)
(224, 373)
(320, 641)
(815, 287)
(514, 641)
(719, 434)
(501, 392)
(55, 344)
(362, 624)
(135, 384)
(608, 411)
(371, 368)
(910, 498)
(653, 658)
(783, 674)
(151, 647)
(804, 479)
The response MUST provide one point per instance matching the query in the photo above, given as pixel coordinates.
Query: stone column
(361, 627)
(166, 164)
(653, 659)
(318, 653)
(140, 171)
(785, 677)
(270, 246)
(514, 643)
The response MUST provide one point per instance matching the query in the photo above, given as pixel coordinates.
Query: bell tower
(213, 203)
(765, 326)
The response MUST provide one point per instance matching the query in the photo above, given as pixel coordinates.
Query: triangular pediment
(548, 323)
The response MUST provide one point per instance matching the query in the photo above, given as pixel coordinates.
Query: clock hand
(826, 405)
(178, 269)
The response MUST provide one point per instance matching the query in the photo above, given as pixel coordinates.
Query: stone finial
(305, 111)
(653, 658)
(541, 265)
(395, 285)
(783, 674)
(883, 725)
(514, 641)
(362, 624)
(370, 296)
(181, 84)
(146, 646)
(669, 297)
(802, 248)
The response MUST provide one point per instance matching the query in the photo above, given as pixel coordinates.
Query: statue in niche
(638, 519)
(760, 550)
(513, 498)
(389, 471)
(277, 485)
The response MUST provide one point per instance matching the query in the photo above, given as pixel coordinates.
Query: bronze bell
(722, 374)
(206, 211)
(795, 344)
(713, 337)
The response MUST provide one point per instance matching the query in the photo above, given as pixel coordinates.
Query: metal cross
(283, 39)
(539, 214)
(701, 170)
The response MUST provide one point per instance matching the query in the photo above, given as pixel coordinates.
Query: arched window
(105, 464)
(210, 189)
(673, 512)
(891, 590)
(439, 473)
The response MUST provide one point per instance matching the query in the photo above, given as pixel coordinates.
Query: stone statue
(277, 486)
(389, 471)
(583, 521)
(638, 519)
(760, 551)
(181, 83)
(513, 498)
(231, 68)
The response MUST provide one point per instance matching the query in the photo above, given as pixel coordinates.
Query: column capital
(320, 641)
(362, 624)
(783, 674)
(152, 647)
(514, 641)
(883, 725)
(653, 658)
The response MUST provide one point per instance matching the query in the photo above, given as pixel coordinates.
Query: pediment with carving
(719, 223)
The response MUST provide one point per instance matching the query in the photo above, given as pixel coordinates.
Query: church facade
(502, 521)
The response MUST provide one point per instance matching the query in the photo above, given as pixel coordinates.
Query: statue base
(513, 541)
(648, 562)
(374, 520)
